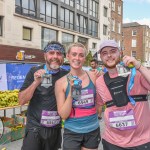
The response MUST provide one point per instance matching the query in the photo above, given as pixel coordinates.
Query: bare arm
(26, 95)
(64, 106)
(144, 71)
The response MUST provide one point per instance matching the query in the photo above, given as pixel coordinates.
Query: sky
(136, 11)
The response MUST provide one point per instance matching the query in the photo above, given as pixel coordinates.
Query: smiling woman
(75, 95)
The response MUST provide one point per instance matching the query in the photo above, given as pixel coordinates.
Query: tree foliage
(88, 59)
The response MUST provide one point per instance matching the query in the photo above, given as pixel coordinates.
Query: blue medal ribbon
(50, 71)
(131, 83)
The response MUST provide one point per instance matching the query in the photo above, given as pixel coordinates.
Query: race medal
(50, 118)
(86, 100)
(122, 120)
(122, 70)
(47, 80)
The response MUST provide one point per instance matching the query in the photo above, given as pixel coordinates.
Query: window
(47, 36)
(26, 7)
(94, 45)
(1, 25)
(119, 9)
(133, 54)
(94, 8)
(147, 42)
(48, 12)
(119, 28)
(66, 18)
(68, 2)
(82, 5)
(147, 33)
(113, 5)
(27, 33)
(133, 43)
(67, 39)
(81, 24)
(105, 11)
(93, 28)
(104, 30)
(134, 32)
(113, 25)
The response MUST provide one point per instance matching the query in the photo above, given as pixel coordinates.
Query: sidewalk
(16, 145)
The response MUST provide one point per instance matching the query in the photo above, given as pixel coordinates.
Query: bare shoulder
(60, 82)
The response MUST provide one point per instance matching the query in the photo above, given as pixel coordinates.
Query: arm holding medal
(143, 70)
(64, 105)
(26, 95)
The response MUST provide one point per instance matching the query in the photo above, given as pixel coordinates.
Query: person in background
(76, 103)
(43, 128)
(94, 66)
(127, 121)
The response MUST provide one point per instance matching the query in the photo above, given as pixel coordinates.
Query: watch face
(1, 128)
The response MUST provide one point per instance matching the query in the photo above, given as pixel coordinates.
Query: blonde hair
(77, 44)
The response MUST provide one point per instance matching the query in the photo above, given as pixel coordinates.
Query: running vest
(118, 90)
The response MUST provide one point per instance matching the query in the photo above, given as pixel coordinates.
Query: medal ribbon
(50, 71)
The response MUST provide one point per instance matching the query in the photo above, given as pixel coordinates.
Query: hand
(38, 75)
(128, 60)
(98, 73)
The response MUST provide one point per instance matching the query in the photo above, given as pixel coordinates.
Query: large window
(68, 2)
(93, 8)
(48, 12)
(82, 5)
(27, 33)
(66, 18)
(1, 25)
(67, 39)
(26, 7)
(93, 28)
(47, 36)
(81, 24)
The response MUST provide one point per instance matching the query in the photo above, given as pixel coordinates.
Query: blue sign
(16, 74)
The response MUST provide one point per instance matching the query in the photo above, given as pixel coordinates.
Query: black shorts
(74, 141)
(109, 146)
(42, 139)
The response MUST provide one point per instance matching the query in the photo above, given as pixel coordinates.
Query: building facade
(30, 24)
(136, 41)
(116, 21)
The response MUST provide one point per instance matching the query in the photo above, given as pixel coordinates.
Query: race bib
(50, 118)
(122, 120)
(86, 100)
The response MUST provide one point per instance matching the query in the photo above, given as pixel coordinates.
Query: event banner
(16, 74)
(3, 77)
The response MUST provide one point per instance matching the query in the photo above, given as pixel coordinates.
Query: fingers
(39, 73)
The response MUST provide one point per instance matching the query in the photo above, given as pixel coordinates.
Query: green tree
(88, 59)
